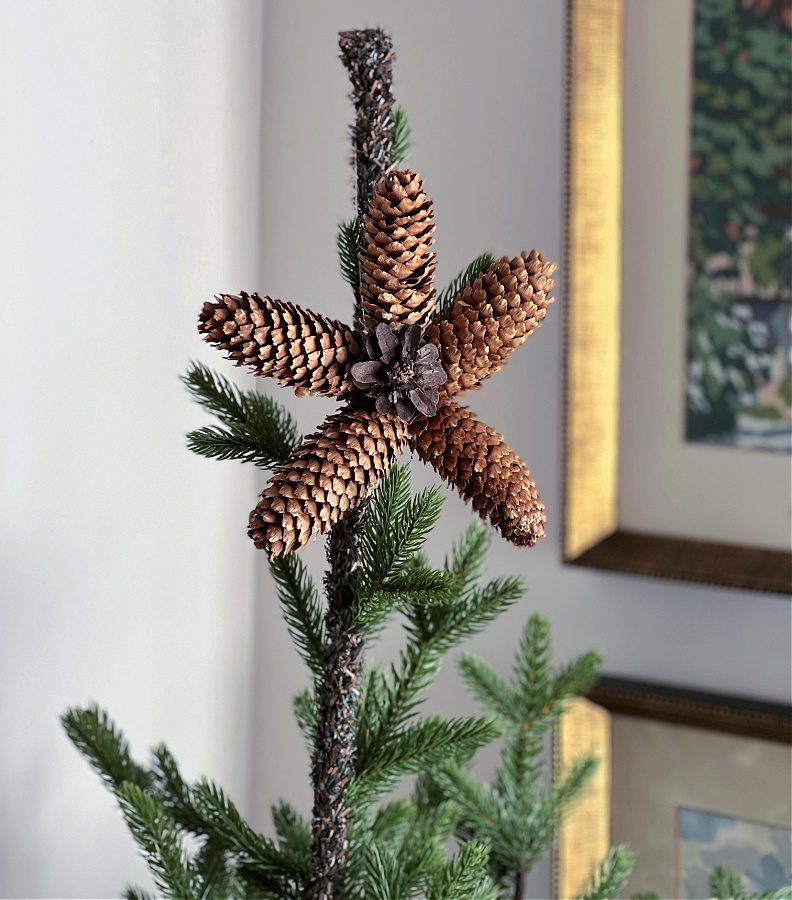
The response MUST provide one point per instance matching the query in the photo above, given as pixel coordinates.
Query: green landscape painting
(739, 378)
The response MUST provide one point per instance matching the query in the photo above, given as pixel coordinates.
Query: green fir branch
(421, 586)
(406, 845)
(218, 881)
(160, 842)
(216, 442)
(373, 710)
(401, 145)
(392, 820)
(255, 853)
(97, 737)
(173, 791)
(301, 608)
(294, 833)
(468, 275)
(519, 775)
(304, 708)
(420, 746)
(611, 876)
(533, 665)
(782, 893)
(726, 884)
(349, 242)
(133, 892)
(396, 527)
(433, 630)
(464, 877)
(487, 686)
(385, 877)
(466, 560)
(577, 678)
(481, 815)
(253, 427)
(448, 625)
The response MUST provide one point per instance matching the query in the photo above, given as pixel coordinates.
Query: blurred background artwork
(761, 853)
(693, 781)
(739, 380)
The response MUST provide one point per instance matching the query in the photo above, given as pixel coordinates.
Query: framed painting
(689, 780)
(678, 419)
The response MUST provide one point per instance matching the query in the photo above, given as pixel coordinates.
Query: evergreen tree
(197, 844)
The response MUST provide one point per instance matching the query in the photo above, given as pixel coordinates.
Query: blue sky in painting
(761, 854)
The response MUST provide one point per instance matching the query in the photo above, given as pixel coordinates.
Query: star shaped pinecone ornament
(398, 376)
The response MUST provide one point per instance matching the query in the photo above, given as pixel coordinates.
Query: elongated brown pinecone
(309, 352)
(328, 474)
(484, 469)
(397, 263)
(492, 317)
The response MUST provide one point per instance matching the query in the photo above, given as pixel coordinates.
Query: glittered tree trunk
(368, 57)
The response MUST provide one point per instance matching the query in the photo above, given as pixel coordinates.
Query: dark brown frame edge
(705, 562)
(696, 709)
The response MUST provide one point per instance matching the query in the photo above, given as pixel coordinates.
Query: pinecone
(402, 372)
(299, 348)
(397, 263)
(401, 368)
(484, 469)
(492, 317)
(330, 472)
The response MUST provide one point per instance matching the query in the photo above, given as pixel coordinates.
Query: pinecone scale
(397, 262)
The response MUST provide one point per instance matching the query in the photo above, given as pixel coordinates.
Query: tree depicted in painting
(739, 386)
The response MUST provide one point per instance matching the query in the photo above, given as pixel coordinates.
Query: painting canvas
(760, 854)
(739, 380)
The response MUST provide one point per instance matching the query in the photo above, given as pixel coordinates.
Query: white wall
(133, 185)
(129, 184)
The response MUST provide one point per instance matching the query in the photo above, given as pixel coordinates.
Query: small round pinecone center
(401, 371)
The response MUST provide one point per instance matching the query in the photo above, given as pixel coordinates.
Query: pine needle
(467, 276)
(611, 876)
(159, 839)
(97, 737)
(254, 428)
(349, 240)
(464, 877)
(301, 609)
(402, 138)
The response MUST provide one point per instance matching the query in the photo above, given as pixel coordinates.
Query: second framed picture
(689, 780)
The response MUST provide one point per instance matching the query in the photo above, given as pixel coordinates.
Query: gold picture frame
(585, 727)
(593, 536)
